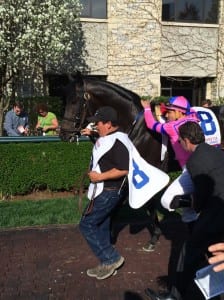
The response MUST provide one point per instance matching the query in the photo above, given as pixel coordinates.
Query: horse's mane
(116, 89)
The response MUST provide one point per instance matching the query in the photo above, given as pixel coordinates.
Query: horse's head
(76, 111)
(86, 95)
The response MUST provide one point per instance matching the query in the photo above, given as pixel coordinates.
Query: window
(94, 9)
(194, 89)
(197, 11)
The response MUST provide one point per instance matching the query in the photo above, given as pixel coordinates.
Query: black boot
(159, 296)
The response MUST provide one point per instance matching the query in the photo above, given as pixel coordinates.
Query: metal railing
(36, 139)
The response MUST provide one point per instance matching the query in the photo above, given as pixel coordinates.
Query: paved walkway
(50, 263)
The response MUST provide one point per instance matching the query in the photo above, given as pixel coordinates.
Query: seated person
(16, 121)
(47, 121)
(206, 103)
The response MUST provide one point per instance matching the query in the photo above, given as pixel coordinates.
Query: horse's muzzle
(69, 136)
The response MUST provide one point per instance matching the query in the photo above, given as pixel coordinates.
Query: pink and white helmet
(179, 103)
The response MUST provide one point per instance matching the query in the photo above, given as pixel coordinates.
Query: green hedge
(39, 166)
(55, 166)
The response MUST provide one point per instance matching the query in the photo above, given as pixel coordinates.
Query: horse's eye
(74, 101)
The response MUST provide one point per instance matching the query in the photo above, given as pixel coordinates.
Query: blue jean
(95, 227)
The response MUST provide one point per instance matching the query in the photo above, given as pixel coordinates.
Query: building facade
(157, 47)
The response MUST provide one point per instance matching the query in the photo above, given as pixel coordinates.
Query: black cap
(104, 114)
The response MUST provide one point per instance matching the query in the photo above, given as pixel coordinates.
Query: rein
(139, 115)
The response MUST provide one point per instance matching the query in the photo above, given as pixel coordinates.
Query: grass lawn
(22, 213)
(39, 212)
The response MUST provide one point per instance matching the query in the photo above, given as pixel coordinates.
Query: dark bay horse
(85, 95)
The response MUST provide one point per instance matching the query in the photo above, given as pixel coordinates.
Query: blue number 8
(140, 174)
(206, 122)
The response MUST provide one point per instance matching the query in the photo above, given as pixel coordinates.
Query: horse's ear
(70, 77)
(79, 78)
(87, 96)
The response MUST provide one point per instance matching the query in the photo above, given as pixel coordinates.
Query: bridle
(79, 118)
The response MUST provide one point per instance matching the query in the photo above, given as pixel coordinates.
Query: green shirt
(47, 121)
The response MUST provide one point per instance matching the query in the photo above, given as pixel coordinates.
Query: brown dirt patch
(43, 195)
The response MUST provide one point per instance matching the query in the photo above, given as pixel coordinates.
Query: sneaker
(94, 271)
(106, 271)
(148, 247)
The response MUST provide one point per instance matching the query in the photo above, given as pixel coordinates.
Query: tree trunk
(1, 116)
(5, 92)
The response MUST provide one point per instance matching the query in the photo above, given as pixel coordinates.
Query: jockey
(178, 112)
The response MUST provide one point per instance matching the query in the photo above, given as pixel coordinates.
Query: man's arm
(108, 175)
(8, 125)
(150, 121)
(27, 122)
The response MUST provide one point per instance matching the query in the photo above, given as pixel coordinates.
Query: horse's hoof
(148, 247)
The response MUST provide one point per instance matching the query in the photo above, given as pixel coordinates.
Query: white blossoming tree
(36, 35)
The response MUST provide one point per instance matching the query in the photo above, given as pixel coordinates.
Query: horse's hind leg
(154, 228)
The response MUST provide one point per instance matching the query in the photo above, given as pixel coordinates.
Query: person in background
(217, 250)
(205, 167)
(47, 121)
(206, 103)
(16, 121)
